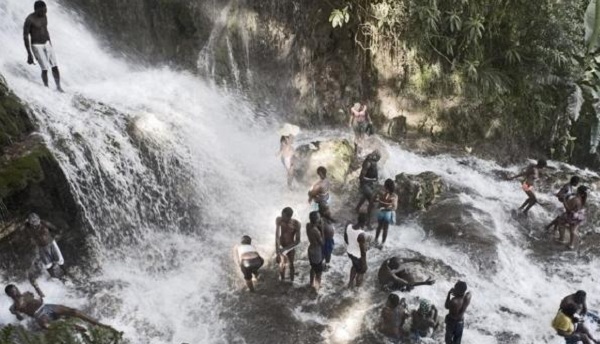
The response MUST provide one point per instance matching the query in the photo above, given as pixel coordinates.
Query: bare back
(26, 303)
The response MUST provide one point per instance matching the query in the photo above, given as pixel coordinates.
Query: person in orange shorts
(531, 174)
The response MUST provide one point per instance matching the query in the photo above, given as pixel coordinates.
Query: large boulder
(467, 228)
(335, 155)
(418, 192)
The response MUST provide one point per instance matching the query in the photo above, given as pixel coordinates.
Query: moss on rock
(17, 173)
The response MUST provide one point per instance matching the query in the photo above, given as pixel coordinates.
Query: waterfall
(170, 172)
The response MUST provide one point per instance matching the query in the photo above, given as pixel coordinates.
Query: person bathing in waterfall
(359, 121)
(457, 301)
(393, 316)
(531, 174)
(248, 260)
(40, 46)
(424, 321)
(315, 249)
(396, 274)
(564, 194)
(287, 237)
(368, 182)
(356, 247)
(327, 232)
(286, 153)
(27, 304)
(388, 203)
(569, 326)
(319, 195)
(573, 217)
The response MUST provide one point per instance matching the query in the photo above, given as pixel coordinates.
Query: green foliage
(339, 17)
(63, 332)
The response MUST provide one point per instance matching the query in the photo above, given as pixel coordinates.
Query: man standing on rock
(319, 194)
(367, 182)
(359, 120)
(388, 203)
(49, 255)
(36, 26)
(356, 242)
(457, 301)
(531, 174)
(287, 237)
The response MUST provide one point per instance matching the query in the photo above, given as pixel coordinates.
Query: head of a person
(12, 291)
(375, 155)
(39, 8)
(582, 191)
(246, 240)
(542, 163)
(574, 181)
(460, 288)
(287, 213)
(579, 296)
(569, 309)
(314, 217)
(362, 219)
(393, 300)
(389, 185)
(356, 106)
(394, 263)
(424, 307)
(322, 172)
(33, 219)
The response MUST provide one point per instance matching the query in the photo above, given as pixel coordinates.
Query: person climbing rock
(248, 260)
(44, 314)
(564, 194)
(395, 274)
(531, 174)
(367, 181)
(49, 256)
(356, 247)
(359, 121)
(319, 194)
(573, 216)
(568, 325)
(40, 46)
(286, 153)
(315, 249)
(287, 237)
(388, 203)
(457, 301)
(393, 316)
(424, 321)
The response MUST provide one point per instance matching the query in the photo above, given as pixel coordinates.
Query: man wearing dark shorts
(287, 237)
(249, 260)
(36, 26)
(367, 182)
(355, 239)
(315, 249)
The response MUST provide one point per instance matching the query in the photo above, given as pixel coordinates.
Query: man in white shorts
(36, 26)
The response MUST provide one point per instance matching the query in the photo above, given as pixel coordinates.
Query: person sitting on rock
(319, 194)
(359, 120)
(531, 174)
(568, 325)
(388, 203)
(564, 194)
(393, 317)
(248, 260)
(44, 314)
(393, 275)
(424, 320)
(367, 182)
(573, 216)
(49, 256)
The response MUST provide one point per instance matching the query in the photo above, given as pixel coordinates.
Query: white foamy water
(169, 173)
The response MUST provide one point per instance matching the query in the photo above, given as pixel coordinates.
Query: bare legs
(529, 202)
(354, 275)
(55, 75)
(383, 225)
(284, 261)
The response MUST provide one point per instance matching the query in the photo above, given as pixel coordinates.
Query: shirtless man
(319, 194)
(388, 203)
(287, 237)
(457, 301)
(393, 317)
(44, 314)
(393, 276)
(49, 255)
(286, 152)
(356, 243)
(531, 174)
(36, 26)
(315, 249)
(359, 120)
(248, 260)
(367, 181)
(424, 320)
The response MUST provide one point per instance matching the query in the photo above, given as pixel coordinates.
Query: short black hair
(542, 163)
(9, 288)
(287, 211)
(579, 296)
(574, 181)
(389, 185)
(322, 170)
(394, 263)
(313, 216)
(39, 5)
(460, 288)
(246, 240)
(394, 299)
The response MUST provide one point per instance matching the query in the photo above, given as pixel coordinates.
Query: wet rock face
(336, 156)
(457, 224)
(418, 192)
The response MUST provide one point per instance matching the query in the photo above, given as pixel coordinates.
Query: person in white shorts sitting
(36, 26)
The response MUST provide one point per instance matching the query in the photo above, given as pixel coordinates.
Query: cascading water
(169, 173)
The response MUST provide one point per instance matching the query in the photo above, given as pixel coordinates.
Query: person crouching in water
(248, 260)
(393, 317)
(569, 326)
(564, 194)
(573, 216)
(388, 203)
(531, 174)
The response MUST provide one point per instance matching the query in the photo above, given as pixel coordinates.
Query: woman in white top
(249, 260)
